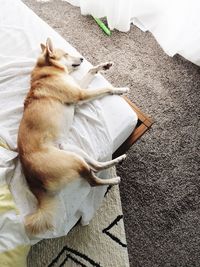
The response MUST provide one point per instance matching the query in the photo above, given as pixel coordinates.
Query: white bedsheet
(98, 128)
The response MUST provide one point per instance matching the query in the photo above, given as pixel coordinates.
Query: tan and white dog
(48, 115)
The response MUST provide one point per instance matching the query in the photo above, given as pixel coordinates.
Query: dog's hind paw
(121, 158)
(114, 181)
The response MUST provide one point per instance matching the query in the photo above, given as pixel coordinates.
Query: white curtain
(174, 23)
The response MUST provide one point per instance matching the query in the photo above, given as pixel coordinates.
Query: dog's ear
(43, 47)
(49, 47)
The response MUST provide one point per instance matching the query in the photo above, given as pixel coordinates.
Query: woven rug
(102, 243)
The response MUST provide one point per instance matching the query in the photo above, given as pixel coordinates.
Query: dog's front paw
(106, 66)
(101, 67)
(120, 90)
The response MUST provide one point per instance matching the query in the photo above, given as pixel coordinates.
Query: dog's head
(51, 56)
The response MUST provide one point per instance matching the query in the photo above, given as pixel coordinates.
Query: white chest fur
(66, 121)
(67, 115)
(70, 81)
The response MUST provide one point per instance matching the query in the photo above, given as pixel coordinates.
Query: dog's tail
(42, 219)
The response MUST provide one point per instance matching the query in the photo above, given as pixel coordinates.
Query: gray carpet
(160, 189)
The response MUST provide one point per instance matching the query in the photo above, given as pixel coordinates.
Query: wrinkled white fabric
(174, 23)
(21, 32)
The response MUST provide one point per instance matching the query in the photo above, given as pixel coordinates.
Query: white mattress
(99, 127)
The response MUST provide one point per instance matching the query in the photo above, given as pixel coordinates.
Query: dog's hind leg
(64, 167)
(94, 164)
(87, 79)
(93, 180)
(75, 166)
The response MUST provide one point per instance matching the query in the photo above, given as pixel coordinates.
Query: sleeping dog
(48, 115)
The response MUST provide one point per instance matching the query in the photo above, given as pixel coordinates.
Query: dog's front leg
(87, 79)
(92, 94)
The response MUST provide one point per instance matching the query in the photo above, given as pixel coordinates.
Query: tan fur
(46, 167)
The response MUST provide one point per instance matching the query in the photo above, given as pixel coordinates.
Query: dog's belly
(65, 125)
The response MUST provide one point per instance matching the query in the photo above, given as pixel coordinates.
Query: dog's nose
(81, 59)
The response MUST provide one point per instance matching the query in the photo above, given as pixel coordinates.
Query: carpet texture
(160, 188)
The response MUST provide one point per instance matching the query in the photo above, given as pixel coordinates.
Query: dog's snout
(81, 59)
